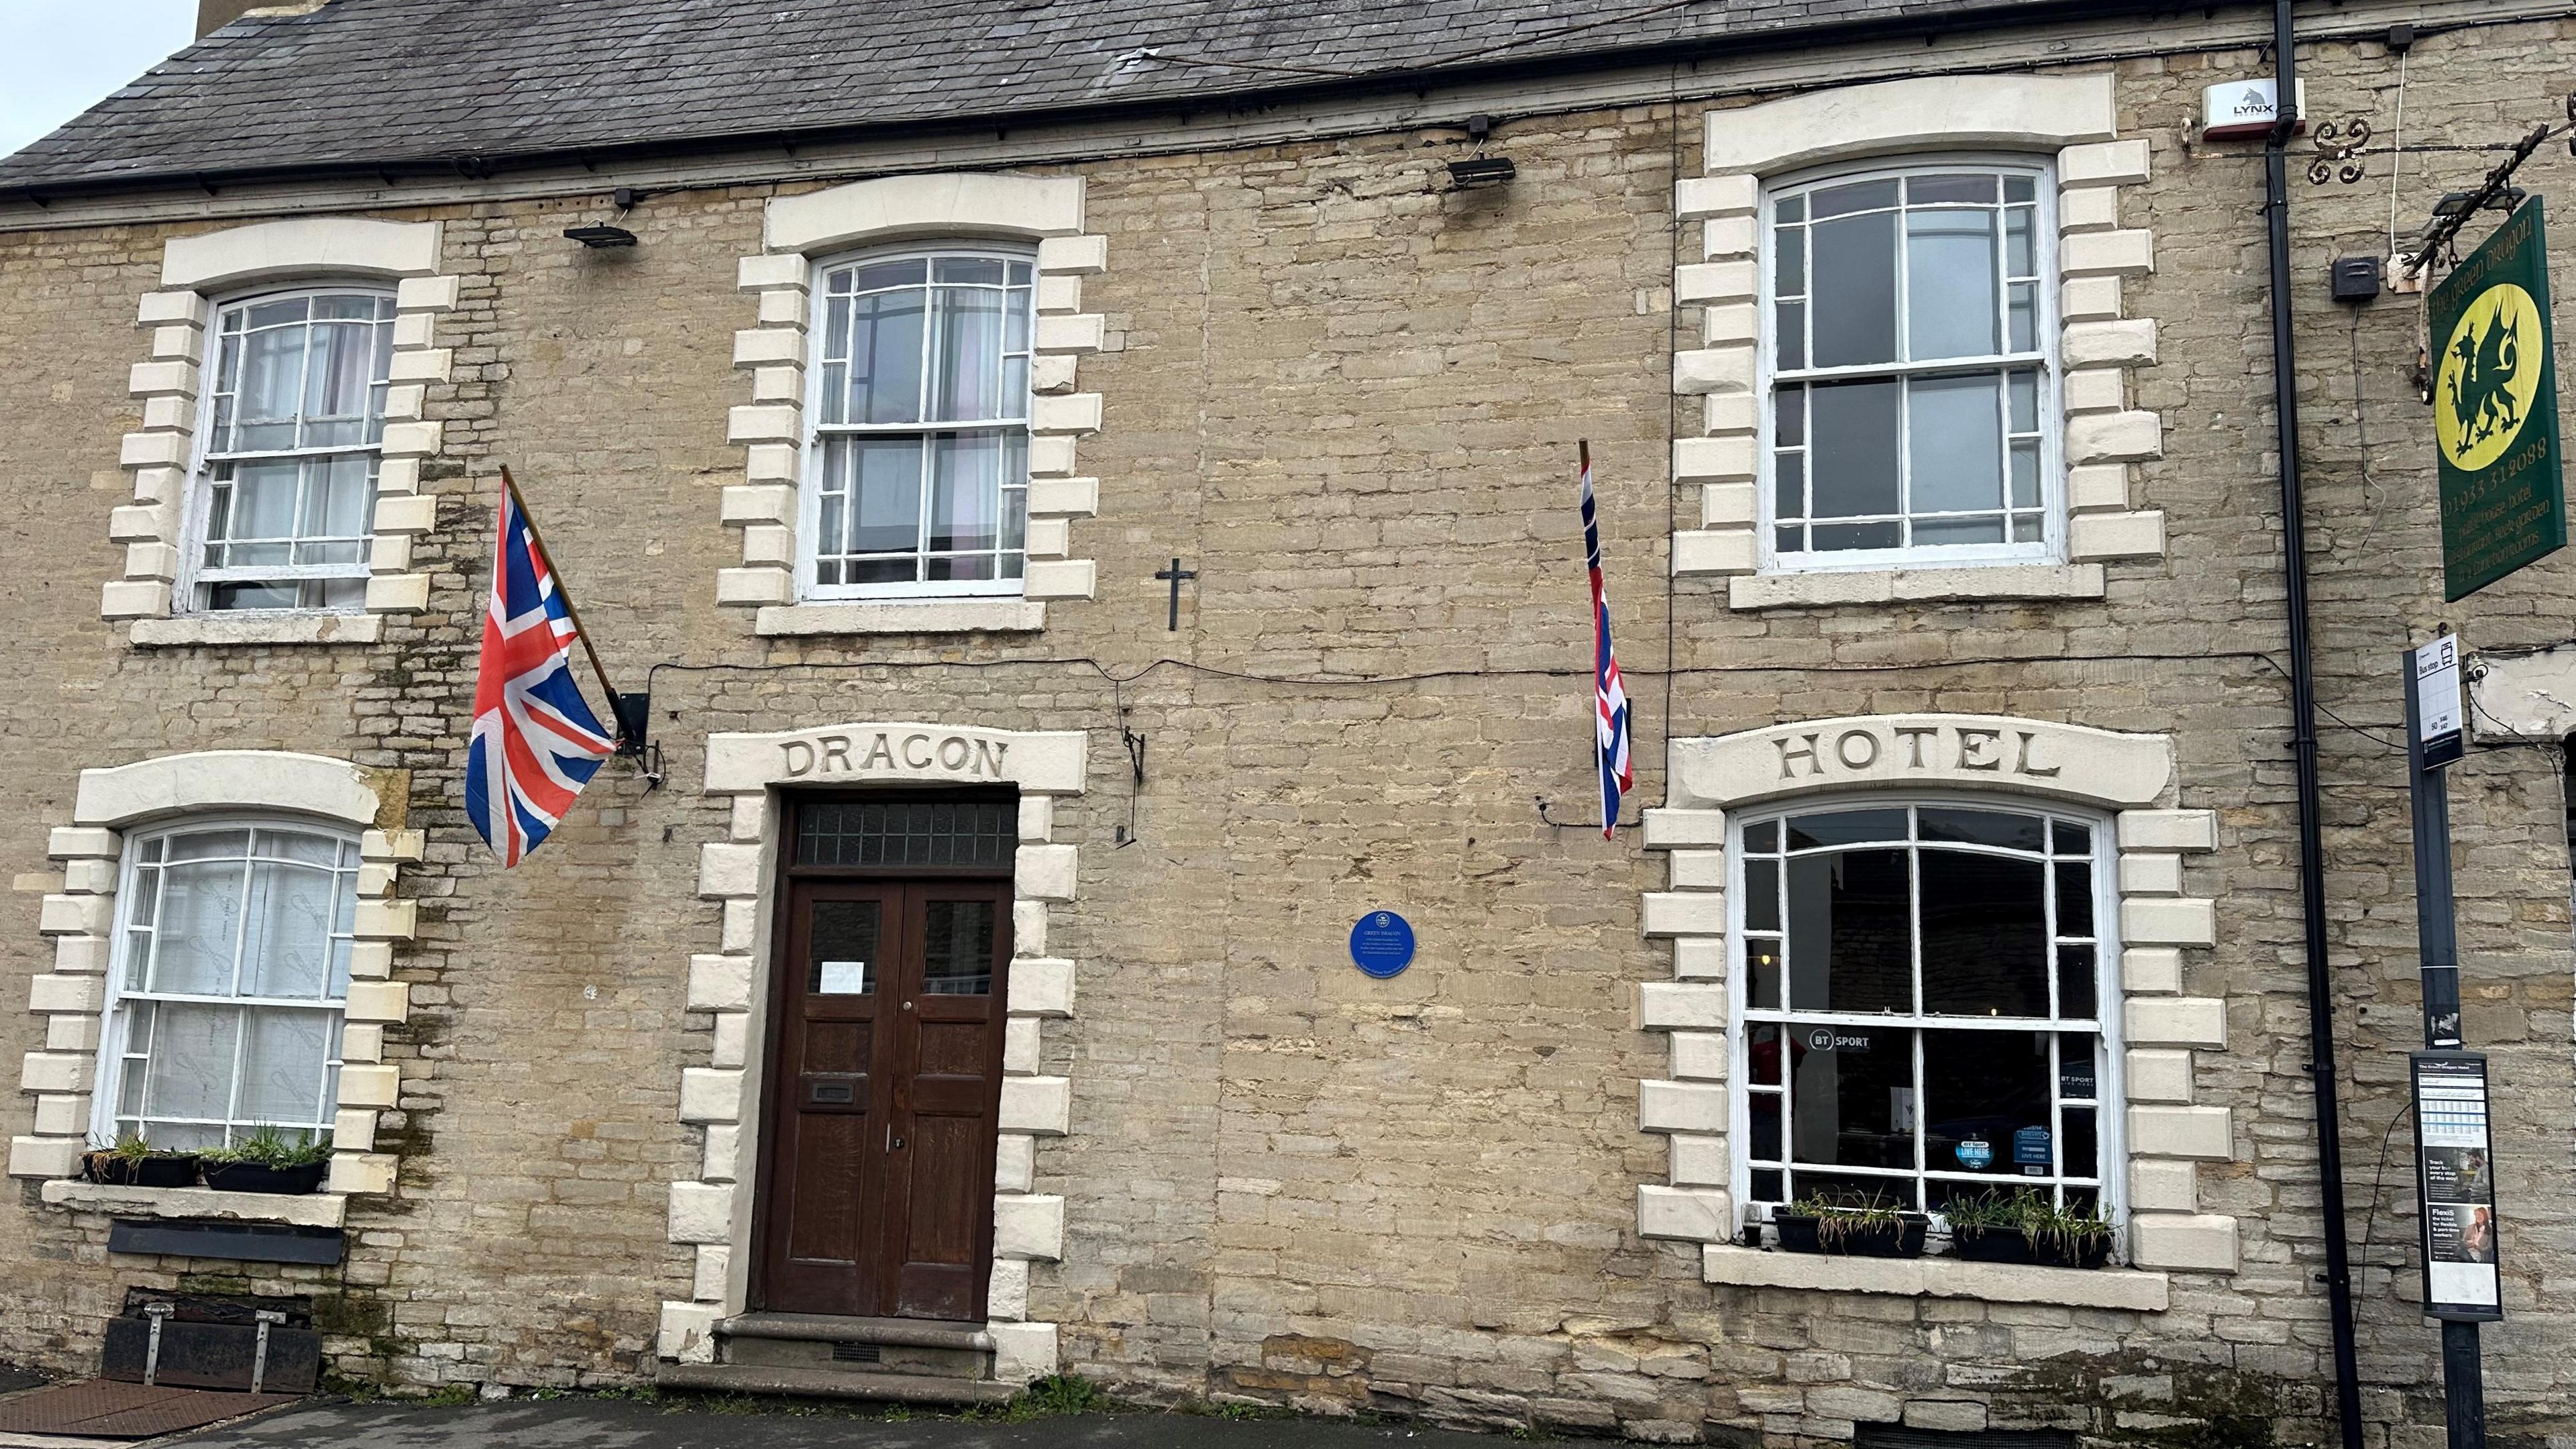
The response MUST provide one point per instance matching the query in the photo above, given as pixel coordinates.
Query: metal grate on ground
(106, 1409)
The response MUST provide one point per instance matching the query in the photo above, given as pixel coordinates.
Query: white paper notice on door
(842, 978)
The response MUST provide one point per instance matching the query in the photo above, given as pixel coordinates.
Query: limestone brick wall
(1348, 396)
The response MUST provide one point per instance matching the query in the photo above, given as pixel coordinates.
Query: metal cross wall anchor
(1175, 573)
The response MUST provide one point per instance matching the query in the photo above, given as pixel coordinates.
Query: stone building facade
(1279, 345)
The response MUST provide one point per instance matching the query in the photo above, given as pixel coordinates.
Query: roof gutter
(1996, 14)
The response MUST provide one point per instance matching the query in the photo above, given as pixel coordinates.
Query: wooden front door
(884, 1088)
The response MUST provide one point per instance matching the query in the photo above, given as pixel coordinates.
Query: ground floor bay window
(1924, 1007)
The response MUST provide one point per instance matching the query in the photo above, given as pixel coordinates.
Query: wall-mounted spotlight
(624, 199)
(1481, 169)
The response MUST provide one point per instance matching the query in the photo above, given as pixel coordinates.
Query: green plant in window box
(2025, 1227)
(1872, 1226)
(131, 1161)
(266, 1161)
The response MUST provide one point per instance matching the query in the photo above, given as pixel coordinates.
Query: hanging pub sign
(2455, 1184)
(2495, 409)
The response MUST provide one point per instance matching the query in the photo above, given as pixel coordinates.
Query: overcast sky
(58, 57)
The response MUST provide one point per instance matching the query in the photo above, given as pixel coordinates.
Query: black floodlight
(600, 236)
(1482, 171)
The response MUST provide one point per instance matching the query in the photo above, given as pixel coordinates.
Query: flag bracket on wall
(1553, 823)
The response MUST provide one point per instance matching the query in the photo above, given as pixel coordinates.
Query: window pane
(1928, 190)
(877, 276)
(1955, 443)
(2076, 993)
(1789, 422)
(2072, 839)
(1762, 1049)
(1982, 827)
(272, 383)
(1762, 835)
(1850, 932)
(966, 492)
(262, 504)
(1983, 1086)
(1852, 1104)
(1765, 1111)
(1790, 332)
(286, 946)
(983, 271)
(2078, 1079)
(194, 1049)
(1950, 283)
(887, 483)
(1855, 289)
(200, 922)
(1855, 449)
(1789, 262)
(1845, 827)
(2074, 898)
(1789, 485)
(284, 1056)
(957, 948)
(1762, 895)
(1762, 972)
(1946, 532)
(336, 380)
(1985, 939)
(885, 357)
(1858, 196)
(968, 383)
(2081, 1154)
(844, 949)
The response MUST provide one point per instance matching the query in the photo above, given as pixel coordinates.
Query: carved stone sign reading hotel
(1980, 751)
(853, 754)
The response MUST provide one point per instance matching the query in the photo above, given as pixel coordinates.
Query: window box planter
(1803, 1233)
(2014, 1245)
(172, 1170)
(255, 1177)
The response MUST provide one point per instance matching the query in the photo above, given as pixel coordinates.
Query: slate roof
(406, 85)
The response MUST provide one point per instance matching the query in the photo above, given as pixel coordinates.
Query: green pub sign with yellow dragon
(2495, 409)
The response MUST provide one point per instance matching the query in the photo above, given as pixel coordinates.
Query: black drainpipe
(2303, 711)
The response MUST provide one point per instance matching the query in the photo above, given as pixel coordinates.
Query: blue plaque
(1382, 944)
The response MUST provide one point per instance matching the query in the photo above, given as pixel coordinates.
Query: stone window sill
(309, 1210)
(1888, 586)
(240, 629)
(902, 616)
(2130, 1288)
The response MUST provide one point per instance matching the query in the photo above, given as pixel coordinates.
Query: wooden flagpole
(539, 541)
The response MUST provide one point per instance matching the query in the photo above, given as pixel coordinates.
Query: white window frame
(2111, 1109)
(114, 1020)
(196, 510)
(2051, 546)
(809, 502)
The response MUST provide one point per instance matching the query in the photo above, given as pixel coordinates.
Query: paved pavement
(589, 1423)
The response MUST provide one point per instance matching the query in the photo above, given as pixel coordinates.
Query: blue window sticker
(1976, 1154)
(2030, 1149)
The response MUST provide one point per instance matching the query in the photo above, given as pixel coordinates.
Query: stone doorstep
(828, 1328)
(874, 1347)
(824, 1383)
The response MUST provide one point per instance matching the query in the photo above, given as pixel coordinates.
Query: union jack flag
(1609, 694)
(536, 743)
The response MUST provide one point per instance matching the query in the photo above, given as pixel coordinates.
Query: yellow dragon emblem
(2490, 373)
